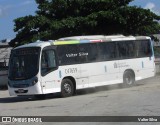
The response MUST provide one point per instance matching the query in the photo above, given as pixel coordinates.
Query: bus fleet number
(71, 70)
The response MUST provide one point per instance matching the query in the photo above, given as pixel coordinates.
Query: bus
(79, 62)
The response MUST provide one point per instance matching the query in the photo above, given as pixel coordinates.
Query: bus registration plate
(20, 90)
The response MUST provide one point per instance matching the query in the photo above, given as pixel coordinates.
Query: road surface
(140, 100)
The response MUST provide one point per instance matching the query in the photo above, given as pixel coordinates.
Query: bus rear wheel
(67, 88)
(128, 78)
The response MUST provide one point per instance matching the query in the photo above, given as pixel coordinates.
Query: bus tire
(67, 88)
(128, 78)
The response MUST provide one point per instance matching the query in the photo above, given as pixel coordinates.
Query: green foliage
(61, 18)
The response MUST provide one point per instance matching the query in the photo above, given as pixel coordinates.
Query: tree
(61, 18)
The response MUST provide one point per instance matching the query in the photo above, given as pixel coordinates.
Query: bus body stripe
(84, 41)
(75, 42)
(105, 67)
(60, 74)
(142, 64)
(65, 42)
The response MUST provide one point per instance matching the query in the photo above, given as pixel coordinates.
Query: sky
(12, 9)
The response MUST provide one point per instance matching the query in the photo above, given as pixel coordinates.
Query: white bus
(75, 63)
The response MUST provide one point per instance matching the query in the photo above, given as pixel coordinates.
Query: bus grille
(20, 85)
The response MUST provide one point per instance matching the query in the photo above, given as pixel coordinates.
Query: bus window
(107, 51)
(68, 54)
(126, 49)
(131, 49)
(48, 62)
(144, 48)
(88, 53)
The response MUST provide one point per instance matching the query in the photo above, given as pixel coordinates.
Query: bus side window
(126, 49)
(144, 48)
(148, 50)
(67, 54)
(88, 53)
(92, 53)
(83, 48)
(121, 49)
(107, 51)
(131, 50)
(48, 61)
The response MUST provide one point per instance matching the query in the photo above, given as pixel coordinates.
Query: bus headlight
(35, 81)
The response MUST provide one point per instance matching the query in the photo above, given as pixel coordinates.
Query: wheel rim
(67, 88)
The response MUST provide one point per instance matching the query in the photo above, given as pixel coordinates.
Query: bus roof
(91, 37)
(95, 39)
(38, 43)
(82, 39)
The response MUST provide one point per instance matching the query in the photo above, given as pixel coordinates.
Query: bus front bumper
(32, 90)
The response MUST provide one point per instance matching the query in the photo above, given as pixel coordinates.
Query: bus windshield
(24, 63)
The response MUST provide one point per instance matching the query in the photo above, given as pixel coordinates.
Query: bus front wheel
(128, 78)
(67, 88)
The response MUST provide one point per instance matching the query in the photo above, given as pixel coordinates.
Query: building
(5, 50)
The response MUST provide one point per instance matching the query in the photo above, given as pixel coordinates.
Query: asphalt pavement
(143, 99)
